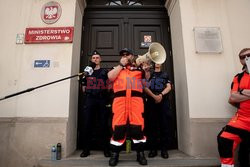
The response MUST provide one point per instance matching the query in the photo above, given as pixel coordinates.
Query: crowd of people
(141, 110)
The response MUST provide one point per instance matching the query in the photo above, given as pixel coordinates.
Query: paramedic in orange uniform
(127, 107)
(238, 128)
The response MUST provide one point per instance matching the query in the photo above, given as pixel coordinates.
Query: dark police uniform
(95, 107)
(158, 115)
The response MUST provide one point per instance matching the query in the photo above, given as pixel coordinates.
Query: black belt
(123, 94)
(242, 133)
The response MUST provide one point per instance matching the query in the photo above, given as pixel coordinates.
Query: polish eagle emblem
(50, 12)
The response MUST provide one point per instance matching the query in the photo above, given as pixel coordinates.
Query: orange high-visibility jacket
(128, 102)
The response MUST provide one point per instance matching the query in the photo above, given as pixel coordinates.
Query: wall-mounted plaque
(208, 40)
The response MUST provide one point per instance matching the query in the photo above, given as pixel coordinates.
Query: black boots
(164, 154)
(106, 153)
(115, 154)
(152, 153)
(114, 159)
(141, 158)
(85, 153)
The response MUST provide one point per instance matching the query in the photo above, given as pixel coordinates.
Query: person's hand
(158, 98)
(146, 66)
(124, 61)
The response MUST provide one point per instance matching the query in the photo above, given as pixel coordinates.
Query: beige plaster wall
(32, 122)
(16, 62)
(203, 80)
(208, 75)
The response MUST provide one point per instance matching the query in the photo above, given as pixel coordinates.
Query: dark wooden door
(108, 31)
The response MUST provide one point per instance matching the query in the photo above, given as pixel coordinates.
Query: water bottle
(53, 153)
(128, 146)
(58, 151)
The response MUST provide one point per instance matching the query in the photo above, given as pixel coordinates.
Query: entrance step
(96, 159)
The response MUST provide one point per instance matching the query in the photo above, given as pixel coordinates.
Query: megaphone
(156, 53)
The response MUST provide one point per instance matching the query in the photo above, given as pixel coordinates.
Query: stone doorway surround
(192, 132)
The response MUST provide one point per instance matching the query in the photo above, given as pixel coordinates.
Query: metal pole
(31, 89)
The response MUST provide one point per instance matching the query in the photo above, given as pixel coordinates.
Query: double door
(108, 31)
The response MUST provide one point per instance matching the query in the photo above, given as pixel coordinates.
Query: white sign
(19, 38)
(147, 38)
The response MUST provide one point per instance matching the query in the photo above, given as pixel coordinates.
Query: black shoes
(152, 153)
(114, 159)
(164, 154)
(141, 158)
(106, 153)
(85, 153)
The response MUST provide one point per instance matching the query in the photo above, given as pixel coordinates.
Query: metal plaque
(208, 40)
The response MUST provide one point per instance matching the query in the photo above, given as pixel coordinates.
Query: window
(124, 2)
(128, 3)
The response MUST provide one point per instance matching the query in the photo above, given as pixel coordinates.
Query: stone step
(96, 159)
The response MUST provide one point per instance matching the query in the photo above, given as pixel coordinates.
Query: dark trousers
(95, 114)
(158, 123)
(244, 153)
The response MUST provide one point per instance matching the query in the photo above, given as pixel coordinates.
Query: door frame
(150, 12)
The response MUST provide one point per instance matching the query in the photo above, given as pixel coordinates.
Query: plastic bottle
(128, 146)
(53, 153)
(58, 151)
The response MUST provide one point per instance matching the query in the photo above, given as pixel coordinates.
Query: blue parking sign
(42, 63)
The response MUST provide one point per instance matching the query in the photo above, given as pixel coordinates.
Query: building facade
(32, 122)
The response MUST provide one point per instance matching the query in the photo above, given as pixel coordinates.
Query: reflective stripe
(140, 141)
(116, 143)
(226, 165)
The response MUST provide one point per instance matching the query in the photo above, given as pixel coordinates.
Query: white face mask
(247, 60)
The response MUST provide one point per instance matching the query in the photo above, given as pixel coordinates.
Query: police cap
(126, 50)
(95, 52)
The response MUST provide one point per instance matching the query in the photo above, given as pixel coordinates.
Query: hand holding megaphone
(124, 61)
(156, 53)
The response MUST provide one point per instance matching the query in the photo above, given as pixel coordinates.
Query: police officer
(94, 86)
(158, 115)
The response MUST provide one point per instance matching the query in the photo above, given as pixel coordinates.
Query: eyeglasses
(124, 54)
(244, 56)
